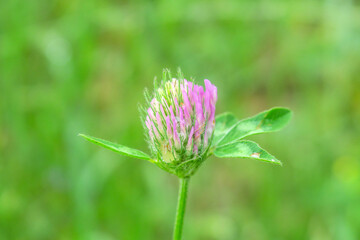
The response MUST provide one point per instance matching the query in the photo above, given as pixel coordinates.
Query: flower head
(179, 122)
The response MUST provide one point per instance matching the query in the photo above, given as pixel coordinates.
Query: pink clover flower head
(180, 119)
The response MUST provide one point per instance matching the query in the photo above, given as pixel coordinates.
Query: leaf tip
(87, 137)
(82, 135)
(278, 162)
(284, 110)
(280, 116)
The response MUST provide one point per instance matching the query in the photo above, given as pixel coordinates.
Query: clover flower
(182, 132)
(180, 121)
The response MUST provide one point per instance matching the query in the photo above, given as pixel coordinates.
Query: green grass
(81, 66)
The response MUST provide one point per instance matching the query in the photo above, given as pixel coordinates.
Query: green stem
(181, 208)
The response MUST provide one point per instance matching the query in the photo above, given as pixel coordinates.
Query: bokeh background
(76, 66)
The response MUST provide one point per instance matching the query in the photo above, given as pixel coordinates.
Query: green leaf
(123, 150)
(223, 123)
(245, 149)
(268, 121)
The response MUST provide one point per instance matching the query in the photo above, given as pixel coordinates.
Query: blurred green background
(76, 66)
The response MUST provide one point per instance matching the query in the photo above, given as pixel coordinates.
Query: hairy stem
(181, 208)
